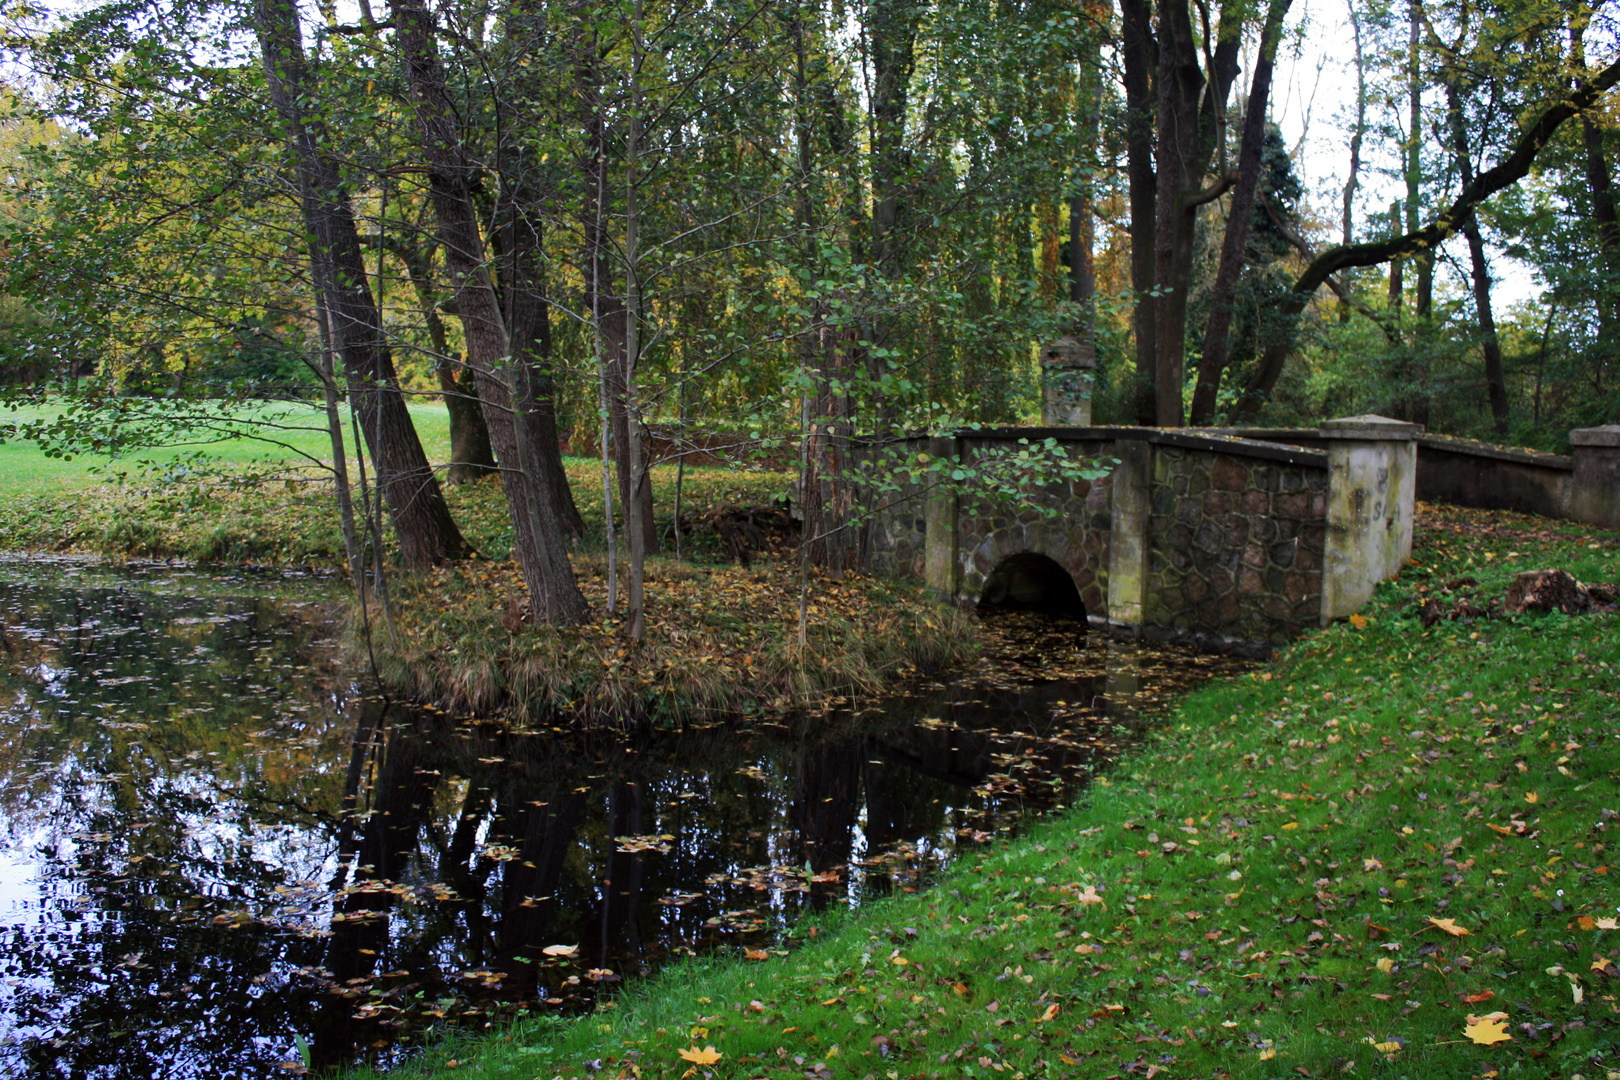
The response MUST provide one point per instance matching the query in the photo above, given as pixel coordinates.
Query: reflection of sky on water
(181, 886)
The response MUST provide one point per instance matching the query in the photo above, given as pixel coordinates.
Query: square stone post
(942, 570)
(1067, 368)
(1372, 465)
(1594, 490)
(1130, 489)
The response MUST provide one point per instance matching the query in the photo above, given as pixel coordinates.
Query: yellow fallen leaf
(1386, 965)
(1607, 924)
(1486, 1030)
(560, 950)
(1358, 621)
(1268, 1053)
(1371, 864)
(1586, 922)
(1388, 1047)
(1051, 1011)
(1448, 926)
(1531, 797)
(706, 1056)
(756, 954)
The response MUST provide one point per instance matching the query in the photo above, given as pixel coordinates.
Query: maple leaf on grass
(706, 1056)
(1487, 1029)
(1448, 925)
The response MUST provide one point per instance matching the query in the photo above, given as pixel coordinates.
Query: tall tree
(427, 533)
(504, 380)
(1240, 213)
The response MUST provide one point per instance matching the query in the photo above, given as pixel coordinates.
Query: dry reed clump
(720, 641)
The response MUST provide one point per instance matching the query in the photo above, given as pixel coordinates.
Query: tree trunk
(1495, 381)
(1141, 61)
(554, 595)
(1604, 214)
(519, 240)
(1240, 215)
(891, 34)
(602, 298)
(471, 457)
(427, 533)
(1191, 105)
(1353, 180)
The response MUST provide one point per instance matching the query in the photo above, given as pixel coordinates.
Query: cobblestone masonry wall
(1234, 542)
(1235, 545)
(1076, 538)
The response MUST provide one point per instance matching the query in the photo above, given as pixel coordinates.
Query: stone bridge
(1234, 543)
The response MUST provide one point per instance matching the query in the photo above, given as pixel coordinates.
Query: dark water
(217, 854)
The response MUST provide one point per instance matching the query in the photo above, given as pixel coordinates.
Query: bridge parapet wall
(1231, 541)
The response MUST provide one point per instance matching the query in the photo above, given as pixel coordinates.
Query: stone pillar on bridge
(942, 569)
(1594, 494)
(1131, 489)
(1372, 464)
(1067, 367)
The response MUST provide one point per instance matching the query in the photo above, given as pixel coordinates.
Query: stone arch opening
(1027, 581)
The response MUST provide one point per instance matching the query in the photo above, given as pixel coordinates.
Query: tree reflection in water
(217, 843)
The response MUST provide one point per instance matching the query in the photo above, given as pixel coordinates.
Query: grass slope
(1321, 869)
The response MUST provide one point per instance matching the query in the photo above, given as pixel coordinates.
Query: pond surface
(219, 857)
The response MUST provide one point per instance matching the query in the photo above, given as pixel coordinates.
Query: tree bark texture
(1141, 60)
(1191, 104)
(538, 536)
(1239, 218)
(1480, 271)
(602, 296)
(427, 533)
(471, 456)
(1604, 215)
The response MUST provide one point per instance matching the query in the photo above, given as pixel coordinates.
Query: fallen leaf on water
(560, 950)
(1448, 925)
(706, 1056)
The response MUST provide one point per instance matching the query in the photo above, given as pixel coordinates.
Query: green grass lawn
(47, 504)
(292, 432)
(1385, 855)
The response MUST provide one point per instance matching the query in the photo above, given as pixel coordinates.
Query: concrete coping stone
(1183, 438)
(1450, 444)
(1369, 426)
(1596, 436)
